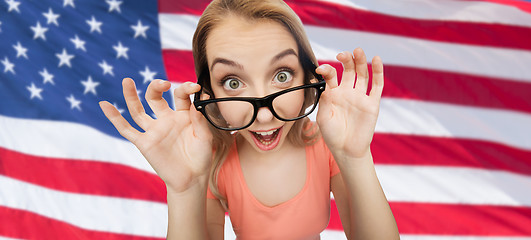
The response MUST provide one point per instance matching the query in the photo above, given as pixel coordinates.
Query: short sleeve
(210, 195)
(220, 185)
(334, 169)
(324, 152)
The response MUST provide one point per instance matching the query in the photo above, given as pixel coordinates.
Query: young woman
(246, 146)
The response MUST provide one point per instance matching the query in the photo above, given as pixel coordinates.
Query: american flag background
(452, 146)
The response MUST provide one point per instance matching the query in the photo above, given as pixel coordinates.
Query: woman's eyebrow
(226, 62)
(277, 57)
(282, 54)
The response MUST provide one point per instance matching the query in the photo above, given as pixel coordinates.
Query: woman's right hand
(178, 144)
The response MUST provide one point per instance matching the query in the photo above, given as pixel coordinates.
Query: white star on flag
(140, 30)
(69, 3)
(94, 25)
(38, 31)
(13, 5)
(80, 44)
(121, 51)
(64, 58)
(148, 75)
(34, 91)
(21, 51)
(106, 68)
(90, 86)
(114, 5)
(47, 77)
(74, 103)
(51, 17)
(8, 66)
(121, 110)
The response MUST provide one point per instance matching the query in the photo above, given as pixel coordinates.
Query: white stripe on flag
(76, 141)
(454, 185)
(6, 238)
(90, 212)
(448, 120)
(466, 11)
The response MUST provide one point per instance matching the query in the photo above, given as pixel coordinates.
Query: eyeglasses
(235, 113)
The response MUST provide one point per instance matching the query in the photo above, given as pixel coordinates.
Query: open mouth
(267, 140)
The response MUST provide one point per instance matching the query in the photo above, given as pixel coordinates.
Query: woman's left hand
(347, 115)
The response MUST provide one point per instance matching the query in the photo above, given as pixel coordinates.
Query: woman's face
(254, 59)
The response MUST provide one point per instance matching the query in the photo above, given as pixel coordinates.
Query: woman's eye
(232, 84)
(283, 76)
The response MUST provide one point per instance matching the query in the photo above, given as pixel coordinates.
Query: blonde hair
(301, 134)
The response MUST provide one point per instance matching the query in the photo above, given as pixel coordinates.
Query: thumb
(200, 125)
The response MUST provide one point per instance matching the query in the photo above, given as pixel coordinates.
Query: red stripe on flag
(520, 4)
(335, 220)
(80, 176)
(409, 83)
(179, 65)
(15, 223)
(405, 149)
(453, 88)
(463, 89)
(325, 14)
(460, 219)
(454, 219)
(187, 7)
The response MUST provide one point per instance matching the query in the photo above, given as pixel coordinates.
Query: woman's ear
(204, 96)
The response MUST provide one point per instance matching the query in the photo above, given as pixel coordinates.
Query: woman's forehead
(238, 38)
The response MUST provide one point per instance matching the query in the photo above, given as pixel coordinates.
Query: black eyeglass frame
(266, 101)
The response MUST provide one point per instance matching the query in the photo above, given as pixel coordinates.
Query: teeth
(265, 143)
(266, 133)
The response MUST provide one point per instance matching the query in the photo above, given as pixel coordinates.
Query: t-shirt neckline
(255, 201)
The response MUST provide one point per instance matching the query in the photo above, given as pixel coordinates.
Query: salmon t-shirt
(304, 216)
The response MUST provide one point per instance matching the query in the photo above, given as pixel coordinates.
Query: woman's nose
(264, 115)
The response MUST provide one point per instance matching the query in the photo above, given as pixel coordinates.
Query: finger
(329, 74)
(377, 78)
(349, 71)
(182, 95)
(154, 96)
(134, 105)
(124, 128)
(200, 125)
(361, 70)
